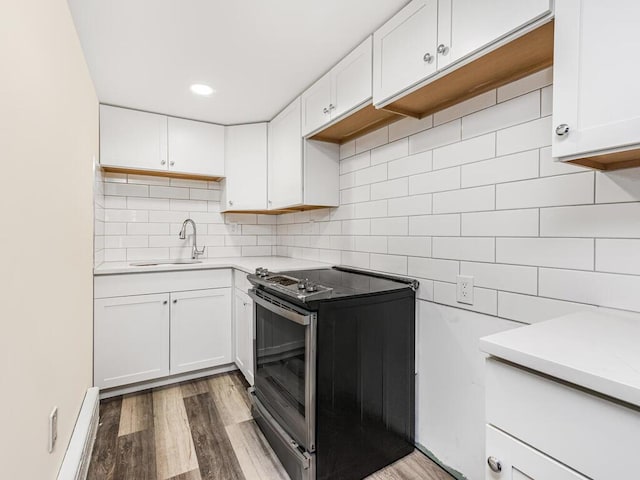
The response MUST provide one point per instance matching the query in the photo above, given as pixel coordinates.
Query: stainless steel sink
(153, 263)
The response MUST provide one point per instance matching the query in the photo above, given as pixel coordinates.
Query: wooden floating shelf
(363, 121)
(611, 161)
(301, 208)
(154, 173)
(514, 60)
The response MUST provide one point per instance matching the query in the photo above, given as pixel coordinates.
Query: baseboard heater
(76, 460)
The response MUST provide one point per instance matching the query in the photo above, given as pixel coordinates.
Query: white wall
(473, 190)
(142, 215)
(48, 137)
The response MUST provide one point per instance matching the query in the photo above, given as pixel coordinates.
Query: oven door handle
(280, 308)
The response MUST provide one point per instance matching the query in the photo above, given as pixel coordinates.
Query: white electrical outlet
(464, 291)
(53, 428)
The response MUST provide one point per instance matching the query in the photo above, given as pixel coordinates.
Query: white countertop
(597, 351)
(246, 264)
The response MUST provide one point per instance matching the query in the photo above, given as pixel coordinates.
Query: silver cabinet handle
(562, 129)
(331, 106)
(172, 163)
(163, 162)
(175, 301)
(230, 202)
(325, 110)
(428, 58)
(245, 303)
(443, 49)
(494, 464)
(164, 303)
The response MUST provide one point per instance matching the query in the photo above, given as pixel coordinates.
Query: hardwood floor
(201, 430)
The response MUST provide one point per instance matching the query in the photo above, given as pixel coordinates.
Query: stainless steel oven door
(285, 364)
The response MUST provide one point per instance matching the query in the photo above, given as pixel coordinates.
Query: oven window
(280, 362)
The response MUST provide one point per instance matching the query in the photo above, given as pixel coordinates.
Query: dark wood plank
(216, 457)
(103, 457)
(240, 383)
(136, 456)
(194, 387)
(192, 475)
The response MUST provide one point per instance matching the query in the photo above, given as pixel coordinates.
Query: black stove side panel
(365, 384)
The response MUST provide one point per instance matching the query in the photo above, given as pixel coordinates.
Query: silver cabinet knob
(428, 58)
(443, 49)
(175, 301)
(163, 162)
(270, 202)
(325, 110)
(562, 129)
(494, 464)
(331, 106)
(230, 202)
(172, 163)
(164, 303)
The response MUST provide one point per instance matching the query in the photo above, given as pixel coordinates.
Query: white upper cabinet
(245, 185)
(285, 158)
(345, 87)
(136, 140)
(404, 49)
(596, 101)
(196, 148)
(300, 172)
(474, 24)
(132, 139)
(427, 36)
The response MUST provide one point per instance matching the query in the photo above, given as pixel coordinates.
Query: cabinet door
(244, 334)
(200, 329)
(521, 462)
(351, 80)
(245, 185)
(285, 158)
(132, 139)
(315, 105)
(131, 339)
(595, 78)
(404, 49)
(196, 148)
(474, 24)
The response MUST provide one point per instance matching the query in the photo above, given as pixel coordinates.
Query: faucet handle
(197, 252)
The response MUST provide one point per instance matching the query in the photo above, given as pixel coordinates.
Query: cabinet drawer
(155, 282)
(240, 280)
(521, 462)
(593, 435)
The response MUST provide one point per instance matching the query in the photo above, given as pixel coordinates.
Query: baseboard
(75, 464)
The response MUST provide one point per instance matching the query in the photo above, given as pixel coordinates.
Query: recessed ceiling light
(201, 89)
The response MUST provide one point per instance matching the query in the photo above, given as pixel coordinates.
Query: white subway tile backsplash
(356, 227)
(126, 241)
(348, 180)
(390, 189)
(134, 254)
(573, 253)
(509, 278)
(410, 165)
(506, 223)
(355, 259)
(572, 189)
(371, 244)
(118, 228)
(532, 309)
(546, 101)
(435, 137)
(115, 202)
(356, 162)
(550, 166)
(168, 192)
(620, 186)
(434, 269)
(390, 151)
(518, 110)
(464, 248)
(535, 81)
(126, 190)
(372, 140)
(437, 181)
(188, 205)
(477, 103)
(390, 226)
(408, 126)
(147, 179)
(413, 246)
(111, 215)
(201, 194)
(376, 208)
(466, 151)
(354, 195)
(138, 203)
(369, 175)
(519, 166)
(618, 256)
(415, 205)
(188, 183)
(465, 200)
(610, 220)
(347, 149)
(435, 225)
(484, 300)
(603, 289)
(535, 134)
(388, 263)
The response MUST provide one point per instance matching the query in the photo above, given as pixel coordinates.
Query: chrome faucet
(183, 234)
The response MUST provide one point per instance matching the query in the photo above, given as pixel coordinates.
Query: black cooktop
(347, 282)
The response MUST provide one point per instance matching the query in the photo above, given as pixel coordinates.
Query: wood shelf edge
(611, 161)
(364, 120)
(154, 173)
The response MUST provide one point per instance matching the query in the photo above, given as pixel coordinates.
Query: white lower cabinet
(513, 460)
(244, 334)
(200, 329)
(131, 339)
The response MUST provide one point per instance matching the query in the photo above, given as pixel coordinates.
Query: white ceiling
(257, 54)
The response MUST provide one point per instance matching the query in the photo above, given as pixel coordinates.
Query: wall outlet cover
(464, 290)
